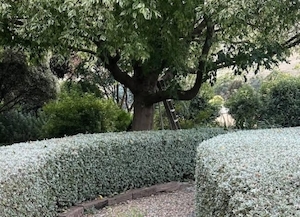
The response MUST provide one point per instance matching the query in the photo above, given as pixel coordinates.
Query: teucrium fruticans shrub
(48, 175)
(249, 173)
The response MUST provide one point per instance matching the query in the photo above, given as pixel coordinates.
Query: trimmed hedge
(249, 173)
(41, 178)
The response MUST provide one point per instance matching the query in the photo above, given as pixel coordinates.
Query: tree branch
(11, 103)
(292, 42)
(199, 28)
(85, 50)
(191, 93)
(111, 64)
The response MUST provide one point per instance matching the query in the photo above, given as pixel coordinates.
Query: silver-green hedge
(249, 173)
(40, 178)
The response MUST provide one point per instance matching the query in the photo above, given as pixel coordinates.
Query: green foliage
(274, 103)
(76, 113)
(216, 101)
(245, 105)
(227, 84)
(200, 111)
(73, 169)
(143, 29)
(22, 85)
(150, 38)
(59, 66)
(81, 87)
(281, 99)
(16, 126)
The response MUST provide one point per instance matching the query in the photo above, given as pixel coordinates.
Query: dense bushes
(73, 112)
(22, 84)
(245, 107)
(76, 113)
(249, 173)
(275, 103)
(50, 174)
(17, 126)
(281, 100)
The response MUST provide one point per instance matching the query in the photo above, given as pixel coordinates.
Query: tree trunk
(143, 116)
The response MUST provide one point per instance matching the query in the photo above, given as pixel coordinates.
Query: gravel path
(176, 204)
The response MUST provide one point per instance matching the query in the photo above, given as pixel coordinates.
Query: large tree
(23, 86)
(139, 41)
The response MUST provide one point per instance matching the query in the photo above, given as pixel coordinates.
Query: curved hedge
(40, 178)
(249, 173)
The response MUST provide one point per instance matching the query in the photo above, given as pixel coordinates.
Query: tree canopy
(22, 86)
(140, 41)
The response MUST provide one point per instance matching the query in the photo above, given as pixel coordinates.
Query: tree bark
(143, 115)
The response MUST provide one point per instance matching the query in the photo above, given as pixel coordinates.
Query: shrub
(281, 99)
(50, 174)
(202, 112)
(204, 109)
(244, 105)
(249, 173)
(226, 85)
(16, 126)
(76, 113)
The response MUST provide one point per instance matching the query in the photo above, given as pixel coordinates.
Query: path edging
(78, 210)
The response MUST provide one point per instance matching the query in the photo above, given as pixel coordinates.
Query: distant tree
(245, 107)
(59, 65)
(91, 76)
(22, 85)
(90, 73)
(280, 95)
(139, 41)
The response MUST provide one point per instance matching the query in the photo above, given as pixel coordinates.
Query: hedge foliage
(276, 103)
(75, 113)
(281, 102)
(40, 178)
(249, 173)
(245, 106)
